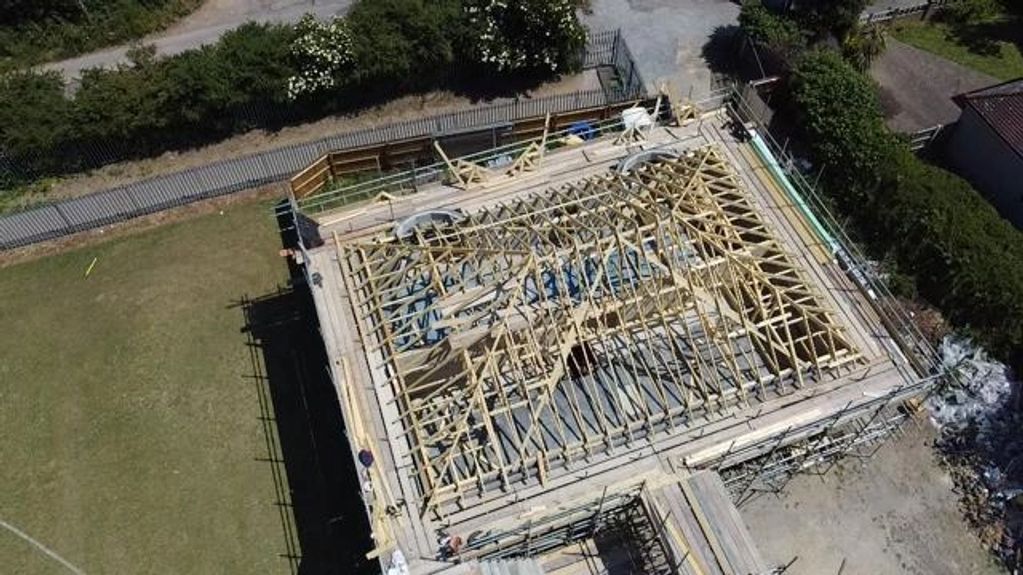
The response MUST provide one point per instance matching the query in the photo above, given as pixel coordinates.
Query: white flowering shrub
(322, 53)
(534, 36)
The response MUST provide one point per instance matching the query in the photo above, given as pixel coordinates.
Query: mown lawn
(992, 48)
(130, 436)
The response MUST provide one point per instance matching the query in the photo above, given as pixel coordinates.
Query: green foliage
(15, 12)
(249, 79)
(774, 31)
(968, 12)
(841, 117)
(823, 18)
(255, 64)
(863, 45)
(407, 44)
(525, 36)
(34, 116)
(33, 31)
(965, 258)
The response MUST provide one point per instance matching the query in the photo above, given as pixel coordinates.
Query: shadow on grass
(316, 483)
(983, 38)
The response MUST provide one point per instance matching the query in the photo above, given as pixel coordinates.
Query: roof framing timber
(558, 326)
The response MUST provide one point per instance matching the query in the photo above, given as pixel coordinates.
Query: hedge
(242, 82)
(34, 31)
(965, 258)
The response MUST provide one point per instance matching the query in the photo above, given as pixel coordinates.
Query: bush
(255, 64)
(863, 45)
(322, 55)
(405, 44)
(525, 36)
(968, 12)
(254, 74)
(842, 122)
(966, 259)
(775, 32)
(34, 115)
(33, 31)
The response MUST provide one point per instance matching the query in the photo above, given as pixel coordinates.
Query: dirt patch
(893, 513)
(405, 108)
(141, 224)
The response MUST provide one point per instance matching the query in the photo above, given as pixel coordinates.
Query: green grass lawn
(129, 430)
(997, 55)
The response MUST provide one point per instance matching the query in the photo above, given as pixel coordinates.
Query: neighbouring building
(986, 145)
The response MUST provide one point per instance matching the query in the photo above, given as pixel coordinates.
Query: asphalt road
(204, 26)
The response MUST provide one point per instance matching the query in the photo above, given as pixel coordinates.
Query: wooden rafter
(562, 324)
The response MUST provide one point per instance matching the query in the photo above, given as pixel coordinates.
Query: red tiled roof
(1001, 106)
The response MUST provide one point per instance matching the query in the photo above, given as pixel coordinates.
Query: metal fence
(151, 195)
(409, 181)
(923, 139)
(921, 10)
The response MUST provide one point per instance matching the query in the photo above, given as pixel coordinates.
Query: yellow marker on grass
(88, 270)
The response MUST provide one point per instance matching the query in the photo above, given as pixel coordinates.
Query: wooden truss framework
(465, 174)
(530, 158)
(682, 111)
(568, 324)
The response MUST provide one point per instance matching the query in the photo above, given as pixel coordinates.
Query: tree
(835, 18)
(841, 119)
(864, 44)
(775, 32)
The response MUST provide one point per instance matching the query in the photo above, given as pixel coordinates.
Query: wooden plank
(743, 554)
(705, 527)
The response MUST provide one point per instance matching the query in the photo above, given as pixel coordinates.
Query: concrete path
(204, 26)
(666, 37)
(917, 86)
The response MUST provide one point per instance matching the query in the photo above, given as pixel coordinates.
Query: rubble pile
(981, 443)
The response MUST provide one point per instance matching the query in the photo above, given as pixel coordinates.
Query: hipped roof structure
(541, 331)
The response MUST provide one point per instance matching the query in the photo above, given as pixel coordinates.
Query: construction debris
(981, 444)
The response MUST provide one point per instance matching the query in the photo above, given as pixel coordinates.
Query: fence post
(60, 212)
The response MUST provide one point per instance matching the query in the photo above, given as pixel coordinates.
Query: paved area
(917, 87)
(202, 27)
(667, 37)
(893, 513)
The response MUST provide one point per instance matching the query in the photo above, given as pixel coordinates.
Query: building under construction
(572, 353)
